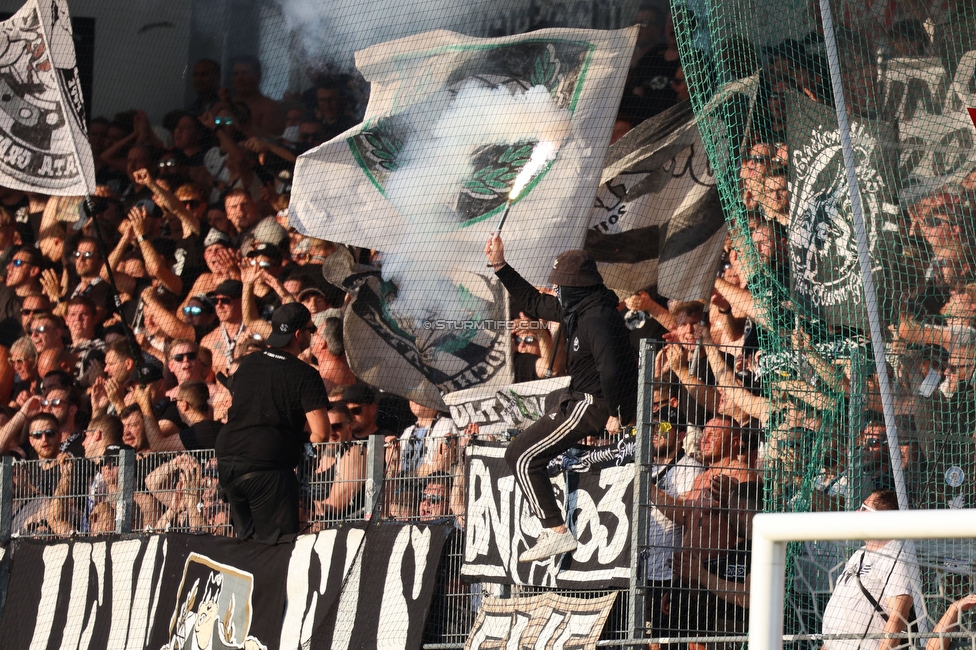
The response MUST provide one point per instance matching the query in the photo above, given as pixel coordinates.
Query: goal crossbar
(771, 532)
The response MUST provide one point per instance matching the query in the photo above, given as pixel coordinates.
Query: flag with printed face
(43, 141)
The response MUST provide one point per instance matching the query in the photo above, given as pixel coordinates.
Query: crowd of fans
(191, 219)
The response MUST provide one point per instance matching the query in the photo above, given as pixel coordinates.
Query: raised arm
(168, 200)
(155, 265)
(535, 303)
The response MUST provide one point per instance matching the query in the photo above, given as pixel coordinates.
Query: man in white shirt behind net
(878, 591)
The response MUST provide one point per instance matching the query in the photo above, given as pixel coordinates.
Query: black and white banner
(544, 621)
(657, 219)
(183, 592)
(500, 526)
(935, 135)
(441, 356)
(43, 142)
(496, 410)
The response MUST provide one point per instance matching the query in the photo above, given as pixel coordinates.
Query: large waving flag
(43, 143)
(451, 122)
(657, 220)
(458, 132)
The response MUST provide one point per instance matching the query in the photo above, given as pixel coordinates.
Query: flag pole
(134, 349)
(864, 255)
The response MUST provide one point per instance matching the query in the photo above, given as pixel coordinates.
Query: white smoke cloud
(425, 187)
(333, 31)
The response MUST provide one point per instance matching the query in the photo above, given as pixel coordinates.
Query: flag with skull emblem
(43, 141)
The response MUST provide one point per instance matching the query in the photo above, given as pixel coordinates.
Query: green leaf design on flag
(498, 178)
(546, 67)
(386, 147)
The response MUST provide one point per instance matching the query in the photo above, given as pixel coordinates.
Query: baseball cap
(575, 268)
(269, 231)
(229, 288)
(216, 237)
(268, 250)
(359, 393)
(285, 321)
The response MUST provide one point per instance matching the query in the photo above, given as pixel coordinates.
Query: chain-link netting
(763, 79)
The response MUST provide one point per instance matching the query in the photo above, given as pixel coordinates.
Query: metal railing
(371, 481)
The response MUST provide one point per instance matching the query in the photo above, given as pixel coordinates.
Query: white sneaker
(550, 543)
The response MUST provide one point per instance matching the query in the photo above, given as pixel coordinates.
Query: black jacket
(600, 358)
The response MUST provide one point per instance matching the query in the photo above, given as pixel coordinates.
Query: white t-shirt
(886, 573)
(664, 536)
(418, 444)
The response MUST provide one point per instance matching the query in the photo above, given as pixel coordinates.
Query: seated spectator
(328, 351)
(81, 320)
(338, 485)
(23, 358)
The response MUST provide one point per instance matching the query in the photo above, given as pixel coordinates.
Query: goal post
(771, 533)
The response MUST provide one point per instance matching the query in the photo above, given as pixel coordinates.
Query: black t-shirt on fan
(265, 427)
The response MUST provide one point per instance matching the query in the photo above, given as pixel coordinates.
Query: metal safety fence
(720, 436)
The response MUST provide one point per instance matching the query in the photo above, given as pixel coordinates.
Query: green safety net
(759, 76)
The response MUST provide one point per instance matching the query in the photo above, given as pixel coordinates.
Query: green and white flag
(453, 123)
(457, 131)
(824, 267)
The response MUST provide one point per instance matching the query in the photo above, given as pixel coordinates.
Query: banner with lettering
(43, 140)
(544, 621)
(499, 526)
(177, 592)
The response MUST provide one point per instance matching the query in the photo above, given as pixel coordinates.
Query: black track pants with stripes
(570, 417)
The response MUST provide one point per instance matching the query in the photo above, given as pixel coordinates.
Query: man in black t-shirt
(259, 448)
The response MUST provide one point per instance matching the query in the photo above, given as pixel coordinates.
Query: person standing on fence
(603, 390)
(259, 448)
